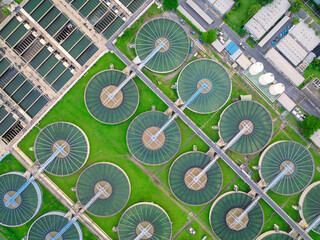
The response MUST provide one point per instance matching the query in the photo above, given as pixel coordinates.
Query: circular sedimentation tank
(273, 235)
(229, 206)
(50, 224)
(310, 204)
(209, 76)
(116, 184)
(74, 141)
(105, 107)
(146, 220)
(25, 206)
(176, 44)
(182, 181)
(141, 143)
(246, 112)
(281, 155)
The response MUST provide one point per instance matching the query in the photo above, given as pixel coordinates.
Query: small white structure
(244, 62)
(256, 68)
(276, 89)
(266, 79)
(286, 102)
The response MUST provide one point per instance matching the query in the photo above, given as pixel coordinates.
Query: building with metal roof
(300, 41)
(106, 109)
(148, 143)
(144, 221)
(284, 67)
(200, 12)
(25, 206)
(50, 224)
(260, 132)
(74, 155)
(275, 235)
(105, 176)
(227, 208)
(266, 17)
(176, 41)
(221, 6)
(277, 156)
(181, 178)
(211, 73)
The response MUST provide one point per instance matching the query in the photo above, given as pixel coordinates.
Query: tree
(170, 4)
(209, 37)
(296, 20)
(254, 9)
(310, 125)
(296, 6)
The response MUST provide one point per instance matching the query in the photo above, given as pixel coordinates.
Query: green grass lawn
(237, 18)
(108, 144)
(311, 73)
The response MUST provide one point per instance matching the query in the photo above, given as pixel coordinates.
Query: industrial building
(221, 6)
(266, 17)
(300, 41)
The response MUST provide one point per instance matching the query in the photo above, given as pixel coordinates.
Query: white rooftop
(316, 138)
(305, 35)
(292, 50)
(222, 6)
(244, 62)
(200, 12)
(286, 102)
(194, 21)
(266, 17)
(283, 66)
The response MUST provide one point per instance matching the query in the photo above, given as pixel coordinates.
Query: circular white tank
(256, 68)
(277, 88)
(266, 79)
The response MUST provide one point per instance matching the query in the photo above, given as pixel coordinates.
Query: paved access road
(208, 141)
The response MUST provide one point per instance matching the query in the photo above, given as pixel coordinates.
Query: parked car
(288, 28)
(281, 36)
(200, 40)
(277, 39)
(273, 43)
(192, 231)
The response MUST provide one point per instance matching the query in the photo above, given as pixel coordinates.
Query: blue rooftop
(232, 48)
